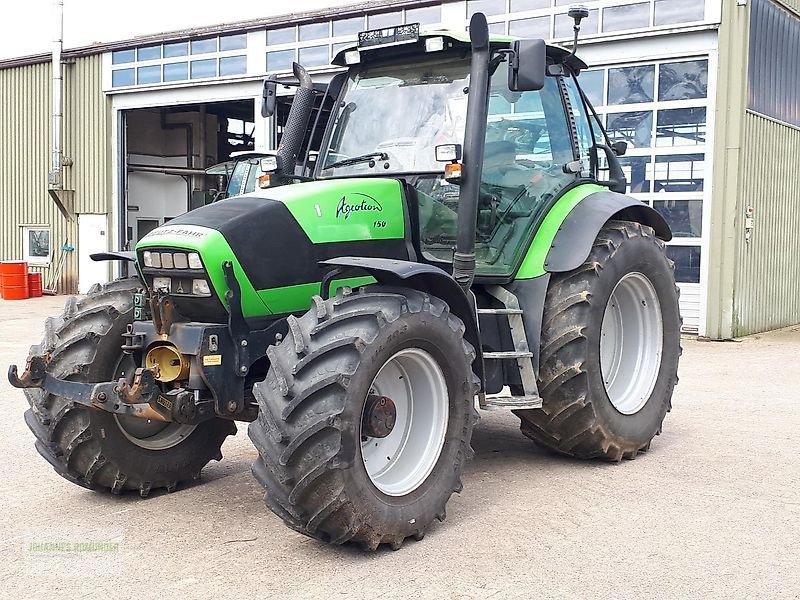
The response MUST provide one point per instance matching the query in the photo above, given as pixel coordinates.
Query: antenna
(577, 12)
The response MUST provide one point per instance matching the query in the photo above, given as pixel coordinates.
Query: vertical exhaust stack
(296, 124)
(477, 109)
(54, 179)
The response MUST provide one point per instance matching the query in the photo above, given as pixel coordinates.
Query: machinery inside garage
(167, 150)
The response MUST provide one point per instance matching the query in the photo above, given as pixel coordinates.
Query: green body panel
(533, 263)
(213, 249)
(343, 210)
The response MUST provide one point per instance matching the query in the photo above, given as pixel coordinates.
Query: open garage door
(167, 150)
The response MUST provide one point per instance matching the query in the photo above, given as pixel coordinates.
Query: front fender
(425, 278)
(576, 235)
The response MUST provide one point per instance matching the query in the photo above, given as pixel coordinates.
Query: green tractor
(458, 244)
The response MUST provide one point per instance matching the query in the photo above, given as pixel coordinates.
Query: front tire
(326, 471)
(100, 450)
(610, 348)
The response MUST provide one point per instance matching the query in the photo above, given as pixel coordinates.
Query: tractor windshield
(398, 114)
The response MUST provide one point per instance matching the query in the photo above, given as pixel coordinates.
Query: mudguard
(422, 277)
(577, 232)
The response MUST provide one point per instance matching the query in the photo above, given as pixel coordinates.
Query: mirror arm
(617, 182)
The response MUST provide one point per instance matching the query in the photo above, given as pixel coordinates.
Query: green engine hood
(276, 237)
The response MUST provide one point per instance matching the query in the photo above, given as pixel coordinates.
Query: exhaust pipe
(54, 178)
(477, 109)
(297, 123)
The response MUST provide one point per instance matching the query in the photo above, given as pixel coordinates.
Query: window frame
(29, 258)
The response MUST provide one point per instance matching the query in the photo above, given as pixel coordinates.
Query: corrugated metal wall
(25, 142)
(767, 288)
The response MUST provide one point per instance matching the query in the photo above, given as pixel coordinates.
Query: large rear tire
(327, 472)
(610, 348)
(95, 449)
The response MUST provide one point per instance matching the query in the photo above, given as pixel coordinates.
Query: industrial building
(704, 92)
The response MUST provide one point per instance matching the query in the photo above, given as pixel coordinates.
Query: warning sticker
(212, 360)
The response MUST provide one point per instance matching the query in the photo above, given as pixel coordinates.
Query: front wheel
(610, 348)
(365, 417)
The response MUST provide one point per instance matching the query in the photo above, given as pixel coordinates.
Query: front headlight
(194, 261)
(200, 287)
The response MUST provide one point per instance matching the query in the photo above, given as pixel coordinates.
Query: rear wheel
(100, 450)
(365, 417)
(610, 348)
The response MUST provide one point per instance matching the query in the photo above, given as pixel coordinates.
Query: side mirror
(620, 148)
(527, 65)
(269, 96)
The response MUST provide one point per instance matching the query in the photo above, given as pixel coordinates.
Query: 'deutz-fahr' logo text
(354, 203)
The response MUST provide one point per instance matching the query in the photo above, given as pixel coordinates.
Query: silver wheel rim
(631, 339)
(400, 462)
(151, 435)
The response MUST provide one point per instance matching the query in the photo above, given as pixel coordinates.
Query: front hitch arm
(117, 397)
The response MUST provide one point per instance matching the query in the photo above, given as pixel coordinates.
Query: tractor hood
(275, 239)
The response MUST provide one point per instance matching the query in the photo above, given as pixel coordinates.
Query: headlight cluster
(172, 260)
(178, 261)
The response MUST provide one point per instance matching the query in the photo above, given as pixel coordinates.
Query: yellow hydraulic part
(172, 365)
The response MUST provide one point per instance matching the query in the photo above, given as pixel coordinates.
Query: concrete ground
(713, 510)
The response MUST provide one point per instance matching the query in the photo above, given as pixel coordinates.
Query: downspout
(54, 179)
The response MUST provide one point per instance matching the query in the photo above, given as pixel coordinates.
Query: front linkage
(213, 389)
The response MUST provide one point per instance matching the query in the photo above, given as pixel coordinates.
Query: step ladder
(521, 353)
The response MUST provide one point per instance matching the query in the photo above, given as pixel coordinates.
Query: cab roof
(559, 54)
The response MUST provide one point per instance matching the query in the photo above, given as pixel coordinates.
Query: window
(313, 31)
(233, 42)
(280, 61)
(177, 49)
(497, 28)
(564, 25)
(631, 85)
(487, 7)
(430, 15)
(639, 173)
(683, 80)
(204, 46)
(593, 85)
(382, 20)
(285, 35)
(679, 173)
(36, 245)
(350, 26)
(123, 56)
(232, 65)
(537, 27)
(150, 74)
(520, 5)
(314, 56)
(176, 71)
(123, 77)
(636, 128)
(687, 263)
(204, 68)
(628, 16)
(148, 53)
(681, 127)
(669, 12)
(684, 217)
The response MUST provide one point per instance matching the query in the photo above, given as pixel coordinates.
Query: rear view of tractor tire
(365, 417)
(96, 449)
(610, 348)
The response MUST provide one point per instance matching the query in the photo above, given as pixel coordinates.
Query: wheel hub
(380, 415)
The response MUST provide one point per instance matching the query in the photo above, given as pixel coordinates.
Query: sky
(29, 25)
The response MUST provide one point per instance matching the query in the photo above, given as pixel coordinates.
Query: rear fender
(422, 277)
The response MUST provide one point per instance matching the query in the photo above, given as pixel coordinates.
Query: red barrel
(14, 280)
(34, 284)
